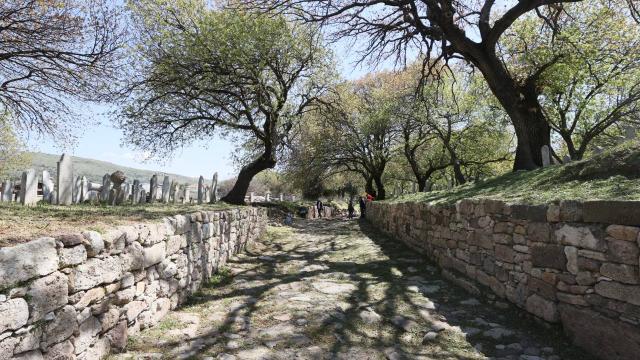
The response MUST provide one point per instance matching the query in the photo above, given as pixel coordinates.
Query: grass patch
(612, 175)
(222, 277)
(22, 223)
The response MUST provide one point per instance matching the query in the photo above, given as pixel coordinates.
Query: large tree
(198, 70)
(595, 82)
(470, 30)
(52, 53)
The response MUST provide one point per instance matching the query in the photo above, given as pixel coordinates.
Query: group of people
(362, 202)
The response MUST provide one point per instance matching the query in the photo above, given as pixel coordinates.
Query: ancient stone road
(338, 290)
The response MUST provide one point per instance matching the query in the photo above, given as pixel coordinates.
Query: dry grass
(20, 224)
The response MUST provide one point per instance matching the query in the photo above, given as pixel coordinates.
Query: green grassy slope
(95, 169)
(612, 175)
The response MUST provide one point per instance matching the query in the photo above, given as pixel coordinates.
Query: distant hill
(94, 170)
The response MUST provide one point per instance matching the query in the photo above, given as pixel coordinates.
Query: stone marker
(143, 197)
(116, 196)
(252, 198)
(135, 198)
(293, 198)
(173, 192)
(106, 188)
(77, 188)
(47, 186)
(153, 188)
(64, 181)
(267, 197)
(7, 191)
(29, 188)
(166, 187)
(84, 189)
(187, 195)
(281, 197)
(546, 156)
(200, 190)
(214, 189)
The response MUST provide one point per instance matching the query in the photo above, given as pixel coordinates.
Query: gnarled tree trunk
(239, 190)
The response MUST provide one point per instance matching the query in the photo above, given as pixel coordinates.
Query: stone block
(26, 261)
(604, 337)
(14, 314)
(621, 251)
(539, 232)
(133, 309)
(537, 213)
(548, 256)
(70, 239)
(133, 257)
(617, 291)
(571, 253)
(621, 232)
(542, 288)
(118, 336)
(570, 211)
(64, 324)
(91, 296)
(87, 334)
(543, 308)
(72, 256)
(504, 253)
(580, 236)
(61, 351)
(6, 347)
(622, 273)
(93, 243)
(47, 294)
(29, 339)
(30, 355)
(95, 272)
(612, 212)
(154, 254)
(553, 213)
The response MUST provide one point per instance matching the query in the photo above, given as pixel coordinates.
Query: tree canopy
(197, 71)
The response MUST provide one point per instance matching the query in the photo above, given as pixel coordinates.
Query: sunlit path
(337, 290)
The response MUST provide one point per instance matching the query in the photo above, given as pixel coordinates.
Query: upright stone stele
(173, 192)
(136, 192)
(186, 198)
(106, 188)
(214, 189)
(166, 188)
(153, 189)
(29, 188)
(252, 198)
(77, 188)
(84, 189)
(200, 190)
(7, 191)
(47, 186)
(281, 197)
(267, 197)
(546, 156)
(64, 181)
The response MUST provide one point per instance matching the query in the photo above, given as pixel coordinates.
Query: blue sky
(103, 141)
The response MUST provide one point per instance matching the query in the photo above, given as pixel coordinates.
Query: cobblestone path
(338, 290)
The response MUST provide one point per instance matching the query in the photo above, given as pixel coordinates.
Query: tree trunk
(422, 184)
(457, 172)
(368, 187)
(239, 190)
(522, 105)
(380, 186)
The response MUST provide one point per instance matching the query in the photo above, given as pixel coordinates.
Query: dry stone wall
(79, 296)
(570, 263)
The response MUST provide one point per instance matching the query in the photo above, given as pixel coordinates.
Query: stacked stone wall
(79, 296)
(572, 263)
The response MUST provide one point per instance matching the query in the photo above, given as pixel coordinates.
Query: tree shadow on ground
(394, 298)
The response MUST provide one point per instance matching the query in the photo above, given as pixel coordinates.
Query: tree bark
(380, 186)
(239, 191)
(457, 172)
(368, 187)
(521, 104)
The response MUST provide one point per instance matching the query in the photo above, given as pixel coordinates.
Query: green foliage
(588, 71)
(13, 158)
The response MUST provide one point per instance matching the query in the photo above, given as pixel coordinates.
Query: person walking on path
(363, 207)
(320, 207)
(351, 209)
